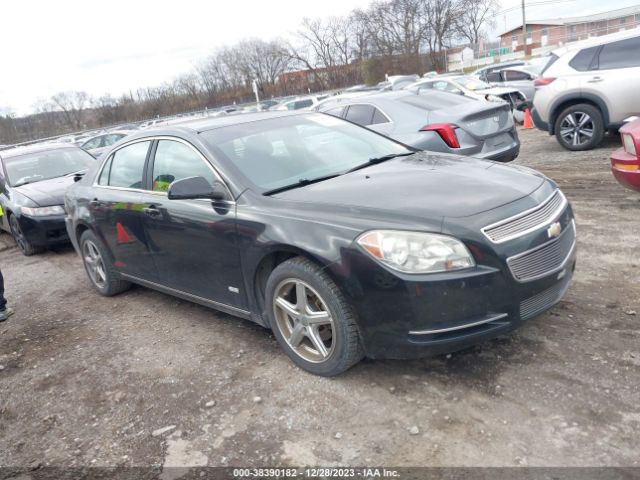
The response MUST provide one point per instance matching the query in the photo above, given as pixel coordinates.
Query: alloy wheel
(18, 235)
(94, 263)
(304, 320)
(577, 128)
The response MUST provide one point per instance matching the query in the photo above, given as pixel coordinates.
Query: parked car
(518, 78)
(589, 87)
(625, 162)
(397, 82)
(342, 241)
(470, 87)
(98, 144)
(32, 182)
(435, 121)
(300, 103)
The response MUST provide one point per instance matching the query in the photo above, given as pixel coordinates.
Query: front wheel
(311, 319)
(580, 127)
(25, 246)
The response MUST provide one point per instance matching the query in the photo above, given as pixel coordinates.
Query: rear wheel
(25, 246)
(99, 269)
(311, 319)
(580, 127)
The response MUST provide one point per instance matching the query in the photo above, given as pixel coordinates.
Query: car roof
(38, 147)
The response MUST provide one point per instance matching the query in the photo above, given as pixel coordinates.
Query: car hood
(424, 185)
(46, 192)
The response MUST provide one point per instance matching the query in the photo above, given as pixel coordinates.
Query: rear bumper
(506, 155)
(537, 121)
(621, 162)
(44, 231)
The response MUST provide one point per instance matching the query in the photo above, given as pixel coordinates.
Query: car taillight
(629, 144)
(446, 131)
(542, 81)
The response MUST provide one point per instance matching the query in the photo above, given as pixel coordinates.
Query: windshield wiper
(26, 180)
(375, 161)
(301, 183)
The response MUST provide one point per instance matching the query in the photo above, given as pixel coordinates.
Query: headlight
(628, 143)
(43, 211)
(415, 252)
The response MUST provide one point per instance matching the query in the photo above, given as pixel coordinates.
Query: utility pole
(524, 30)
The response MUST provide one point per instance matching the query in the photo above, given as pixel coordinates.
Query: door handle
(595, 80)
(151, 211)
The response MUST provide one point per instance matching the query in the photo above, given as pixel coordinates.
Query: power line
(530, 4)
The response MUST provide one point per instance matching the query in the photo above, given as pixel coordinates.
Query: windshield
(284, 151)
(35, 167)
(471, 83)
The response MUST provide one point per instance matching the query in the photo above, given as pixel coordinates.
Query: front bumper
(44, 231)
(626, 169)
(410, 316)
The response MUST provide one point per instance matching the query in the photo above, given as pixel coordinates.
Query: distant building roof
(596, 17)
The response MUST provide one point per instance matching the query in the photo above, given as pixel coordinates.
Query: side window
(93, 143)
(174, 161)
(493, 77)
(104, 175)
(622, 54)
(303, 104)
(360, 114)
(379, 117)
(111, 139)
(514, 75)
(335, 111)
(583, 59)
(127, 166)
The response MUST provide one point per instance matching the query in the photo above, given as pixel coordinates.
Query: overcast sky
(115, 46)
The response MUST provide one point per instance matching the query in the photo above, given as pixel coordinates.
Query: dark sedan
(32, 184)
(344, 242)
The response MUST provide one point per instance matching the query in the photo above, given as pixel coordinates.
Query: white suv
(588, 87)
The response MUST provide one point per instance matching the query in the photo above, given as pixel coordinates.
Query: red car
(625, 162)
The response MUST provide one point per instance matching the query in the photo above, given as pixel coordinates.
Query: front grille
(527, 221)
(545, 259)
(544, 300)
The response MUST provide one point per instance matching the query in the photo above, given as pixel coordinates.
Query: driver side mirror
(197, 187)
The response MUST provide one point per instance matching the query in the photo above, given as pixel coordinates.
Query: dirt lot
(86, 380)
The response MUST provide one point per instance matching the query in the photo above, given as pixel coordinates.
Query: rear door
(614, 76)
(193, 242)
(117, 210)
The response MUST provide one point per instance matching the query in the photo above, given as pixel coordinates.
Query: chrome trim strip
(459, 327)
(187, 296)
(524, 214)
(550, 272)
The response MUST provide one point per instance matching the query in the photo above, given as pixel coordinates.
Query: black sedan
(342, 241)
(33, 180)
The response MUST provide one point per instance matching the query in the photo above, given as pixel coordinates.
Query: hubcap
(94, 264)
(17, 234)
(304, 320)
(577, 128)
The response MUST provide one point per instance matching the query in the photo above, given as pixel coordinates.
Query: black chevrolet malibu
(33, 180)
(345, 243)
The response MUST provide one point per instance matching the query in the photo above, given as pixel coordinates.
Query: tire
(573, 134)
(99, 269)
(25, 246)
(328, 318)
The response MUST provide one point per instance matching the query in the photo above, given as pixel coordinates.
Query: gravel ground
(144, 379)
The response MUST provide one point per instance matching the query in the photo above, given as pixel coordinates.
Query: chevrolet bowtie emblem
(554, 230)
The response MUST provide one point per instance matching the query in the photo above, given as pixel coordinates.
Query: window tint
(514, 75)
(127, 166)
(493, 77)
(300, 104)
(378, 117)
(174, 161)
(622, 54)
(583, 59)
(360, 114)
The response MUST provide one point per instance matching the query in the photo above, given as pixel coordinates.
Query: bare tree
(72, 104)
(473, 17)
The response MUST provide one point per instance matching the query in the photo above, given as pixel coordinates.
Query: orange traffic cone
(527, 120)
(123, 236)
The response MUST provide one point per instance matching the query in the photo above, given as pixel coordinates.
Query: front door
(194, 242)
(117, 210)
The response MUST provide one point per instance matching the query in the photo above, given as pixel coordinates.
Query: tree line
(388, 37)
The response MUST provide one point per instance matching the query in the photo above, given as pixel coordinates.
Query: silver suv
(589, 87)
